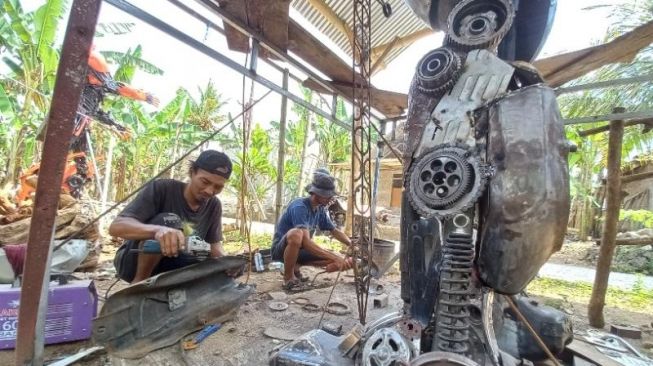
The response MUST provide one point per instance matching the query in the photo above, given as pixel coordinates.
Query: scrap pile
(72, 216)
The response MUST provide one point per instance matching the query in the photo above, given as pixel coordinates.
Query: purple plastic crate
(71, 309)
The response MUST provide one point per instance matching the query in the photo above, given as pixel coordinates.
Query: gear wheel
(444, 181)
(438, 71)
(478, 24)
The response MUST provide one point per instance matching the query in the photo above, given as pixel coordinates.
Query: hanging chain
(361, 172)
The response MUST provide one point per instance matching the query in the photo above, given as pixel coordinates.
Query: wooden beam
(636, 177)
(381, 60)
(560, 69)
(592, 131)
(311, 50)
(391, 104)
(631, 241)
(325, 10)
(378, 51)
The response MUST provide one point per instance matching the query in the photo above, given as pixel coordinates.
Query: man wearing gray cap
(292, 242)
(163, 210)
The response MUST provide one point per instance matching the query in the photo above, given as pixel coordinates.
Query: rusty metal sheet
(71, 76)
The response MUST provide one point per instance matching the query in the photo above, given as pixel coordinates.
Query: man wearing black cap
(163, 209)
(292, 242)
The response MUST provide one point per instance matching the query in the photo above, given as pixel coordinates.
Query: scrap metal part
(474, 24)
(161, 310)
(438, 71)
(386, 347)
(442, 359)
(525, 215)
(316, 348)
(484, 78)
(445, 181)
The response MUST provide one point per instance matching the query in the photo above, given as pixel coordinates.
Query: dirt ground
(242, 341)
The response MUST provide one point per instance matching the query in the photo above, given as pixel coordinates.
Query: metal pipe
(201, 47)
(604, 84)
(71, 77)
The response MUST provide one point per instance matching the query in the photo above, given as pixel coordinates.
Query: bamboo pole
(282, 151)
(609, 235)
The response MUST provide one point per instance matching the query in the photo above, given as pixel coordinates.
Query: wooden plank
(560, 69)
(311, 50)
(390, 103)
(236, 41)
(270, 18)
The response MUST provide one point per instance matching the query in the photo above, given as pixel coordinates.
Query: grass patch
(234, 243)
(638, 298)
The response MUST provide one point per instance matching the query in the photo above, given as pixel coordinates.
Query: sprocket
(478, 24)
(438, 71)
(445, 181)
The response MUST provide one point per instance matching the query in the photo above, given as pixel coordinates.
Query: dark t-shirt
(167, 195)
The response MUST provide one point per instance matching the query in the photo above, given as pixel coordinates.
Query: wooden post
(609, 235)
(282, 151)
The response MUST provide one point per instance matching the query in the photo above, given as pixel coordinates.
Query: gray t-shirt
(167, 195)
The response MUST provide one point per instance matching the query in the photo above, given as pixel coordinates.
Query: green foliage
(235, 243)
(588, 164)
(643, 217)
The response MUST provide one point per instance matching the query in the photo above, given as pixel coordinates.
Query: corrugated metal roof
(401, 23)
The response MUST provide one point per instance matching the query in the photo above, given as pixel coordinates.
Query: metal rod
(604, 84)
(609, 117)
(71, 77)
(98, 178)
(525, 321)
(201, 47)
(282, 152)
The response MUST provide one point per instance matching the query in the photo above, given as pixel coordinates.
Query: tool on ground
(202, 335)
(315, 277)
(194, 246)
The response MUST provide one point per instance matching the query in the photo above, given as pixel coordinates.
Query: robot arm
(99, 75)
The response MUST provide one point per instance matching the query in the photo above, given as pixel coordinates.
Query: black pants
(126, 259)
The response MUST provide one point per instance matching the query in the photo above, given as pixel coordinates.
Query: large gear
(445, 181)
(477, 24)
(438, 71)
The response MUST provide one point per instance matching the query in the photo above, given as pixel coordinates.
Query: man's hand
(171, 240)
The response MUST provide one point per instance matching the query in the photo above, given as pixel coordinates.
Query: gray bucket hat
(323, 185)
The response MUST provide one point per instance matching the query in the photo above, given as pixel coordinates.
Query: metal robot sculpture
(78, 172)
(485, 203)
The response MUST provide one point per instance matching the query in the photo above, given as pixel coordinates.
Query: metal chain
(361, 171)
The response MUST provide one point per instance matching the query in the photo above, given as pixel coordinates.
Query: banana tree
(30, 55)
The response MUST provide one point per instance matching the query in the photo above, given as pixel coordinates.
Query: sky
(185, 67)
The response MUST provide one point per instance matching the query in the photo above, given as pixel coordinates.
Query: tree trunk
(121, 178)
(613, 199)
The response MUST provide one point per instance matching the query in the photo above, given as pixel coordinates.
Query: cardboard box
(71, 309)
